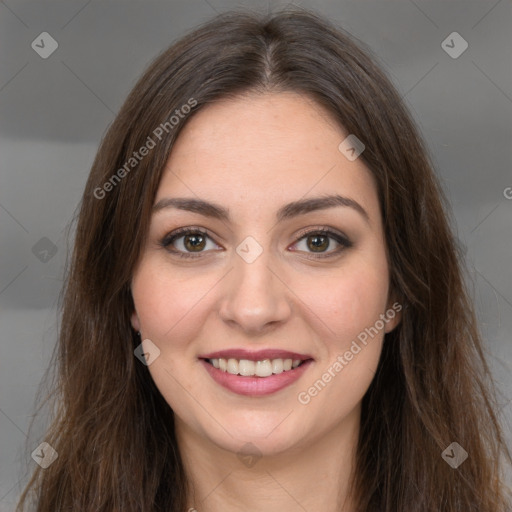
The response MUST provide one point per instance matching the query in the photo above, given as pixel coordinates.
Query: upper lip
(258, 355)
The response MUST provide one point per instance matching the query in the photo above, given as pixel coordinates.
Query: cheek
(350, 302)
(351, 307)
(166, 302)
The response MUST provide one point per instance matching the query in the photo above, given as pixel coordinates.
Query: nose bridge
(255, 296)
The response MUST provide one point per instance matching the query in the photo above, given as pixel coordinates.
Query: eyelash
(344, 242)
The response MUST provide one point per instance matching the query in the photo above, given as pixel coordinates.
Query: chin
(267, 436)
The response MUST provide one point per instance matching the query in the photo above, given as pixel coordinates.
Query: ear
(135, 321)
(393, 314)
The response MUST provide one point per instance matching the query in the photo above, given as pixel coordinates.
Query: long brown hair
(113, 430)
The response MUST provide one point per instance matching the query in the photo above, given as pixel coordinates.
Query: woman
(265, 309)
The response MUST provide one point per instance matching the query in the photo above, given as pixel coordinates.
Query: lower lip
(255, 386)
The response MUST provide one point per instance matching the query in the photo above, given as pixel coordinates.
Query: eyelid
(322, 229)
(338, 236)
(168, 239)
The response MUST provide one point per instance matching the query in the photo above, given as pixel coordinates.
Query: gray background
(54, 112)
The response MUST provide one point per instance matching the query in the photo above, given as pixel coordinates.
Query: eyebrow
(287, 211)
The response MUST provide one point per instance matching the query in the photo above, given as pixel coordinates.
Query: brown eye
(194, 242)
(319, 241)
(187, 241)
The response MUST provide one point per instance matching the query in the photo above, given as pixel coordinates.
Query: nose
(256, 297)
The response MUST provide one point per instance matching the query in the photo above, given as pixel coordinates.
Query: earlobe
(135, 321)
(393, 316)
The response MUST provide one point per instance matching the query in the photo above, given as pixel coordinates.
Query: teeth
(277, 366)
(264, 368)
(233, 366)
(247, 368)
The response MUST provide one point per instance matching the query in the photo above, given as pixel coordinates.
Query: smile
(248, 368)
(255, 374)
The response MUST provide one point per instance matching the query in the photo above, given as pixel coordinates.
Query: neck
(313, 476)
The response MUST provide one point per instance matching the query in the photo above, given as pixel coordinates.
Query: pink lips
(259, 355)
(255, 386)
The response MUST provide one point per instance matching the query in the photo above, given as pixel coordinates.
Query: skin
(253, 154)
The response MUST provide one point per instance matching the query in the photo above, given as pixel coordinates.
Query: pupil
(319, 245)
(194, 241)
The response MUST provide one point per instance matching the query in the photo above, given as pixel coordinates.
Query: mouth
(260, 368)
(255, 373)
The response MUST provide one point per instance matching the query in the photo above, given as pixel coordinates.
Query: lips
(270, 380)
(258, 355)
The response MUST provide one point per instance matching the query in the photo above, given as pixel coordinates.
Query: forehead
(262, 150)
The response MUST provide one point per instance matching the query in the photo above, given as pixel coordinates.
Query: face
(258, 279)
